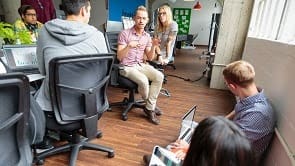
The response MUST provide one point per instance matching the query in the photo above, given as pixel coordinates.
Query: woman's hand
(180, 148)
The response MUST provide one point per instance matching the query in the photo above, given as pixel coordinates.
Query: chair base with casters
(129, 102)
(171, 64)
(161, 67)
(76, 142)
(165, 92)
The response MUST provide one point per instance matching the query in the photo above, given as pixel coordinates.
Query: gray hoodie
(61, 38)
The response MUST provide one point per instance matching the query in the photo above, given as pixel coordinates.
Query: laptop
(20, 58)
(188, 125)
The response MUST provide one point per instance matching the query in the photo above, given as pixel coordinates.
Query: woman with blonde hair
(166, 31)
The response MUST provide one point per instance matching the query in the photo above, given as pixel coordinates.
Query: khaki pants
(141, 74)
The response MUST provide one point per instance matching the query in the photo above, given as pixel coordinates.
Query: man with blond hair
(252, 113)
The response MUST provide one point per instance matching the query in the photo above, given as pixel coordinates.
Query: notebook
(20, 58)
(188, 125)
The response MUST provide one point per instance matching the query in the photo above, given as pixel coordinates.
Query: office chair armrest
(118, 66)
(10, 122)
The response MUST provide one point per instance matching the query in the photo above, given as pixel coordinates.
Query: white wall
(200, 20)
(10, 10)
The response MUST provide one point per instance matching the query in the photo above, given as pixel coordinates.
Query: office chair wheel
(124, 117)
(111, 154)
(125, 100)
(99, 134)
(40, 162)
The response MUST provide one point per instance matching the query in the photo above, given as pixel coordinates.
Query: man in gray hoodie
(72, 36)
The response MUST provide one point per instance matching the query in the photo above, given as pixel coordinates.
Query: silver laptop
(20, 58)
(188, 125)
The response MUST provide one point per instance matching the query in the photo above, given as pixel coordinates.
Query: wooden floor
(135, 137)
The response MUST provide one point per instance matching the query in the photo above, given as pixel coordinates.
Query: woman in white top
(166, 31)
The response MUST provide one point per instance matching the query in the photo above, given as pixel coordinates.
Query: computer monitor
(20, 58)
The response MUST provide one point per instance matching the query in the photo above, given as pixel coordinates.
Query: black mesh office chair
(14, 114)
(120, 81)
(77, 87)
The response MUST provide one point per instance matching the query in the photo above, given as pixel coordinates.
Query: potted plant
(10, 37)
(7, 33)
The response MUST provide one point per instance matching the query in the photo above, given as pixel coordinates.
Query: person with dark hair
(133, 45)
(73, 36)
(219, 142)
(216, 141)
(253, 113)
(28, 22)
(45, 9)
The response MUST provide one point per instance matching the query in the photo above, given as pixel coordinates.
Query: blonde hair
(240, 73)
(140, 8)
(161, 27)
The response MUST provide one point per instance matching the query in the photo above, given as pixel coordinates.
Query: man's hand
(133, 44)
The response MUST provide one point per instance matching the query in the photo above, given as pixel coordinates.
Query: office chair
(77, 86)
(14, 115)
(120, 81)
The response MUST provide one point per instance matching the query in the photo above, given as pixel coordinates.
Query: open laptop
(164, 157)
(20, 58)
(188, 125)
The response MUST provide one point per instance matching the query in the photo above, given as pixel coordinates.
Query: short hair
(23, 9)
(140, 8)
(239, 72)
(219, 142)
(160, 26)
(72, 7)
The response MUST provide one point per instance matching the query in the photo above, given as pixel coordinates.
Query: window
(272, 20)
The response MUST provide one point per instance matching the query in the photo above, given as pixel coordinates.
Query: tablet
(163, 157)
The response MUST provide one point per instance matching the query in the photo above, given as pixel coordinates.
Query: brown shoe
(147, 159)
(152, 116)
(158, 111)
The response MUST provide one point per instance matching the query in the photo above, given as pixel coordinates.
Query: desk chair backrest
(14, 113)
(112, 45)
(78, 87)
(112, 41)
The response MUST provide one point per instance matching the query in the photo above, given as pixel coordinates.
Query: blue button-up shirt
(255, 116)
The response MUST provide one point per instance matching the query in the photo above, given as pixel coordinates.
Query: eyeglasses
(32, 15)
(163, 13)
